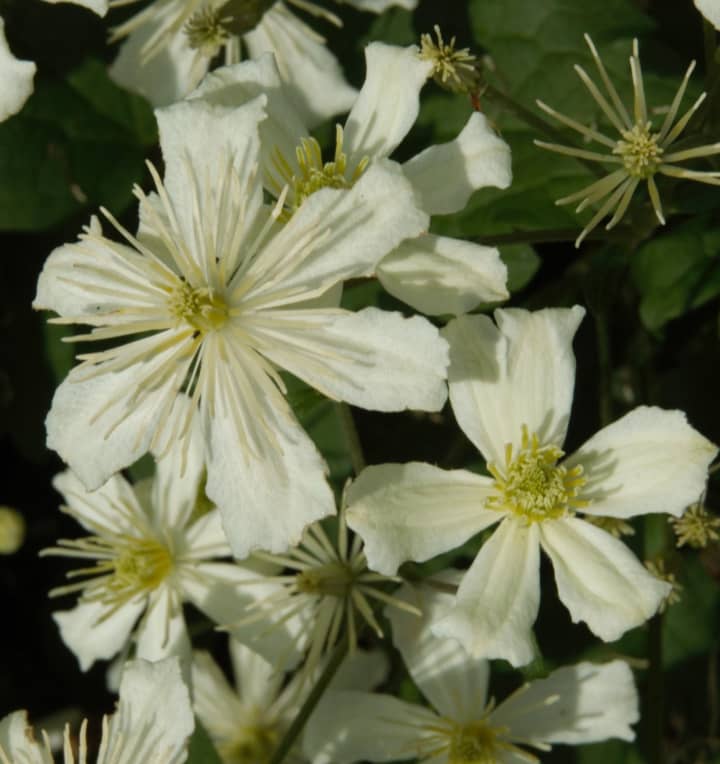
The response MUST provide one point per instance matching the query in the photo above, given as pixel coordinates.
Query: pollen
(474, 743)
(253, 744)
(453, 69)
(532, 484)
(199, 308)
(332, 580)
(639, 150)
(207, 31)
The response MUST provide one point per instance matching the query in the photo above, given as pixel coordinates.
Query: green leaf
(394, 27)
(522, 263)
(201, 749)
(614, 751)
(678, 271)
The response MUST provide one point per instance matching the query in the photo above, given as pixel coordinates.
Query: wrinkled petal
(415, 511)
(711, 10)
(499, 596)
(651, 460)
(371, 358)
(437, 275)
(314, 79)
(16, 77)
(357, 726)
(520, 373)
(599, 579)
(584, 703)
(453, 682)
(93, 632)
(388, 103)
(446, 175)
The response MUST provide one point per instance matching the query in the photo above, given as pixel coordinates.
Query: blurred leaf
(201, 749)
(614, 751)
(678, 271)
(522, 263)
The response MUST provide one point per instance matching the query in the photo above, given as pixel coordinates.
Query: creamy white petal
(446, 175)
(438, 275)
(711, 10)
(651, 460)
(99, 6)
(415, 511)
(205, 537)
(313, 75)
(93, 632)
(388, 103)
(18, 741)
(362, 670)
(599, 579)
(162, 631)
(499, 596)
(170, 74)
(16, 77)
(378, 6)
(257, 680)
(520, 373)
(144, 729)
(214, 700)
(356, 726)
(584, 703)
(453, 681)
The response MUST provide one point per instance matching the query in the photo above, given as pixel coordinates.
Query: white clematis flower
(152, 724)
(170, 44)
(434, 274)
(511, 389)
(154, 546)
(17, 76)
(578, 704)
(710, 9)
(213, 297)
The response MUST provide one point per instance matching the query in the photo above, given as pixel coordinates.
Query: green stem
(351, 436)
(311, 701)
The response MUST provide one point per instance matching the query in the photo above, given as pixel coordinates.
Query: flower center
(454, 70)
(474, 743)
(253, 744)
(198, 307)
(208, 30)
(639, 151)
(334, 579)
(532, 485)
(142, 566)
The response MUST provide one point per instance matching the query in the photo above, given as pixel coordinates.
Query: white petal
(357, 726)
(711, 10)
(144, 729)
(521, 373)
(415, 511)
(313, 76)
(378, 6)
(438, 275)
(599, 579)
(499, 596)
(206, 537)
(162, 631)
(584, 703)
(651, 460)
(447, 174)
(372, 358)
(16, 77)
(453, 682)
(258, 680)
(388, 103)
(99, 6)
(17, 741)
(93, 632)
(166, 77)
(361, 670)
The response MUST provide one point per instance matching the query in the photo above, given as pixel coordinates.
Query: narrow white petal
(499, 596)
(206, 537)
(599, 579)
(711, 10)
(584, 703)
(453, 681)
(415, 511)
(378, 6)
(214, 700)
(99, 6)
(371, 358)
(357, 726)
(162, 631)
(312, 73)
(17, 740)
(651, 460)
(438, 275)
(93, 633)
(16, 77)
(362, 670)
(447, 174)
(388, 103)
(258, 680)
(520, 373)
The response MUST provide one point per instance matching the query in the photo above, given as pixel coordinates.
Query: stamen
(454, 70)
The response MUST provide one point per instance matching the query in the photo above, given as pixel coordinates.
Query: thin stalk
(352, 438)
(311, 701)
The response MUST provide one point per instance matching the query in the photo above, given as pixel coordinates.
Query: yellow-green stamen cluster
(253, 744)
(474, 743)
(454, 70)
(659, 570)
(197, 307)
(696, 528)
(639, 151)
(208, 30)
(533, 485)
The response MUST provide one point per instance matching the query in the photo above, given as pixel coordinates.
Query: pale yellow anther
(203, 311)
(639, 151)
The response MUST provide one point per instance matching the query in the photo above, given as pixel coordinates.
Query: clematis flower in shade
(152, 724)
(511, 388)
(170, 44)
(578, 704)
(214, 297)
(638, 154)
(433, 274)
(154, 546)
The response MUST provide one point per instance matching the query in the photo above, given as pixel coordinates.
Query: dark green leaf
(201, 750)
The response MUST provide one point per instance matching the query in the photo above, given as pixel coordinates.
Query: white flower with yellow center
(574, 705)
(434, 274)
(152, 724)
(213, 297)
(154, 546)
(170, 44)
(511, 389)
